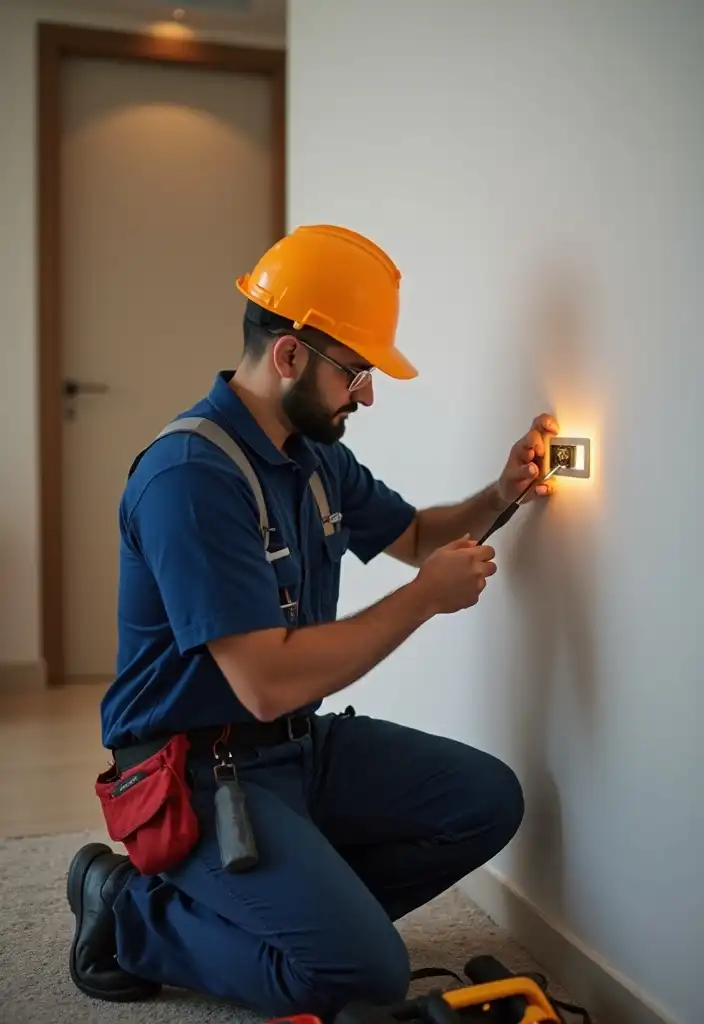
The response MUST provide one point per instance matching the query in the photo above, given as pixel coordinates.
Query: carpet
(36, 928)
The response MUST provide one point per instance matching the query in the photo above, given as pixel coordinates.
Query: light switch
(572, 454)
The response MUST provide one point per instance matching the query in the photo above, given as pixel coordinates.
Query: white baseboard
(22, 675)
(610, 998)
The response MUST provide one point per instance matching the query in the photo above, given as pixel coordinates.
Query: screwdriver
(514, 506)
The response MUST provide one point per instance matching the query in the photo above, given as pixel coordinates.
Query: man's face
(318, 403)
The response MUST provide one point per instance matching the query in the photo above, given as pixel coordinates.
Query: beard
(307, 413)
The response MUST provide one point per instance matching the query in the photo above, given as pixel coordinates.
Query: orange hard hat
(338, 282)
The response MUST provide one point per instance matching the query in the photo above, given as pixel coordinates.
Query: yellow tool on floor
(535, 1008)
(495, 996)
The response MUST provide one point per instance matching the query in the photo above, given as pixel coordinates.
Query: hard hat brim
(394, 364)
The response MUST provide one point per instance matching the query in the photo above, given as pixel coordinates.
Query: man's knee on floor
(374, 969)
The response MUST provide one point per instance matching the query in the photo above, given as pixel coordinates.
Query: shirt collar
(247, 429)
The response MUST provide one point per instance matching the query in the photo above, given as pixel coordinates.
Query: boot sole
(74, 894)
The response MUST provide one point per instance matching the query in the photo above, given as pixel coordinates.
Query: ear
(288, 357)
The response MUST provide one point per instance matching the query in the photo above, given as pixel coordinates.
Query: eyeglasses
(359, 377)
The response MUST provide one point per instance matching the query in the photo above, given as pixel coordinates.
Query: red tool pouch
(148, 808)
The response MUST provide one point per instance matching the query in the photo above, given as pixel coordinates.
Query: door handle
(70, 388)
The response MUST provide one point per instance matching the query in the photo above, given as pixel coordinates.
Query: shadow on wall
(553, 669)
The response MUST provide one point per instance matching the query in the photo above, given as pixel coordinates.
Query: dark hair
(260, 326)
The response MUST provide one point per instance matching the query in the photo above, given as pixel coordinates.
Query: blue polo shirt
(193, 565)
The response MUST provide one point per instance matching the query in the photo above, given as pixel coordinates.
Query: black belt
(231, 739)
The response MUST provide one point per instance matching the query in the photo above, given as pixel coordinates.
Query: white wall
(536, 170)
(19, 484)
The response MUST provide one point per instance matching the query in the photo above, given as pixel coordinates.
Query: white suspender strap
(321, 499)
(215, 434)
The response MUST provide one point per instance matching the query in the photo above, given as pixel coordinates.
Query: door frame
(55, 44)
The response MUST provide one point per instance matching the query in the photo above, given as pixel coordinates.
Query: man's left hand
(521, 467)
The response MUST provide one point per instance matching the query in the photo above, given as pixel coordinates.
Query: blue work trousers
(357, 824)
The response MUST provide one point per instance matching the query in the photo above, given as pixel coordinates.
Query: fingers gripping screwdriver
(511, 510)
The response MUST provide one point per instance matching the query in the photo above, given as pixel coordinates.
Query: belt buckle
(294, 733)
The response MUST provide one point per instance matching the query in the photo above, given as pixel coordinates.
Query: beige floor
(50, 754)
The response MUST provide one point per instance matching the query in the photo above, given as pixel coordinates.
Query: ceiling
(258, 17)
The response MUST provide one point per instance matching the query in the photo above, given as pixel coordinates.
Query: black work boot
(95, 878)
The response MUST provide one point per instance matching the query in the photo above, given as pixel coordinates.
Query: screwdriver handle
(500, 521)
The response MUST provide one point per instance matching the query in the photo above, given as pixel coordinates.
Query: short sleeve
(375, 514)
(197, 528)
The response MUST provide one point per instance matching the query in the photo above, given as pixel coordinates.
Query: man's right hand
(275, 671)
(454, 576)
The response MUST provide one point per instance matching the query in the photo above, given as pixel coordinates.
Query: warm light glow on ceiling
(171, 30)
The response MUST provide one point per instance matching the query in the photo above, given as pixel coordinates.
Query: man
(228, 636)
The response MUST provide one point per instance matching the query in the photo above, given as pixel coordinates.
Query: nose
(365, 394)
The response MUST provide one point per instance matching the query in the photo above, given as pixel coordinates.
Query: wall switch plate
(572, 454)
